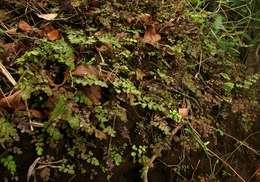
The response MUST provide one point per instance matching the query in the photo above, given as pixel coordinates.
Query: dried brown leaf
(83, 70)
(139, 74)
(100, 134)
(12, 100)
(94, 94)
(151, 36)
(53, 35)
(24, 26)
(146, 18)
(35, 114)
(184, 112)
(11, 31)
(45, 174)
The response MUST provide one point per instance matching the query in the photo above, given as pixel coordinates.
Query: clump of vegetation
(97, 87)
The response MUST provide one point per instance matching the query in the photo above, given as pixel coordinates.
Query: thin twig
(192, 176)
(54, 162)
(227, 164)
(29, 115)
(207, 150)
(7, 74)
(31, 168)
(158, 154)
(197, 74)
(1, 91)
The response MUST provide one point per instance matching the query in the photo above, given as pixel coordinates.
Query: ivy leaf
(79, 37)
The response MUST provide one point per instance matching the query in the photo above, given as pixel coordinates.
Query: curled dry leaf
(146, 18)
(83, 70)
(184, 112)
(100, 134)
(151, 36)
(50, 32)
(24, 26)
(13, 100)
(11, 31)
(45, 174)
(49, 16)
(35, 114)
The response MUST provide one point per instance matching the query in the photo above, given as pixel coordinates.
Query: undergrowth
(109, 84)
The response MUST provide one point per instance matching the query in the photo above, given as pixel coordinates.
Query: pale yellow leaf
(49, 16)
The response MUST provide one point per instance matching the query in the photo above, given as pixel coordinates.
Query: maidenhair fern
(79, 37)
(30, 83)
(58, 51)
(249, 81)
(109, 39)
(162, 125)
(8, 133)
(9, 163)
(125, 85)
(89, 80)
(218, 24)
